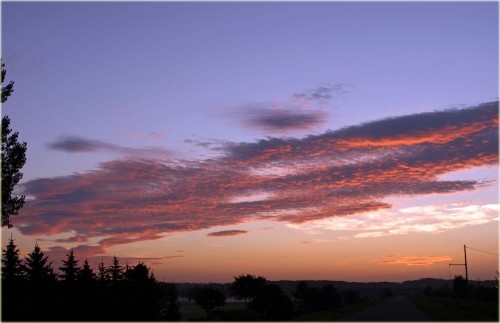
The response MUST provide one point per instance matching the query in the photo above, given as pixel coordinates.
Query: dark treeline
(461, 288)
(33, 291)
(266, 300)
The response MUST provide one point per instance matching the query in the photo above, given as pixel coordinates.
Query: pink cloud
(335, 174)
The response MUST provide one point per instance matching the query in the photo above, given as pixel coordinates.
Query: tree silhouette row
(32, 290)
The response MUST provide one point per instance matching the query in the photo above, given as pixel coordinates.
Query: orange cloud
(414, 261)
(336, 174)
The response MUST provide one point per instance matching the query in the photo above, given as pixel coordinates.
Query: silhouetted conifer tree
(12, 266)
(86, 274)
(102, 273)
(87, 298)
(38, 268)
(117, 304)
(41, 287)
(142, 293)
(69, 295)
(12, 283)
(69, 268)
(115, 271)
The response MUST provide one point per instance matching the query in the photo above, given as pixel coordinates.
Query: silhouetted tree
(38, 268)
(272, 304)
(69, 269)
(210, 298)
(115, 271)
(103, 295)
(86, 274)
(12, 266)
(170, 305)
(41, 286)
(9, 88)
(87, 308)
(12, 283)
(13, 159)
(315, 299)
(102, 273)
(246, 286)
(70, 297)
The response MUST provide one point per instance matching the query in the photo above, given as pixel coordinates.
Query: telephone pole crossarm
(465, 264)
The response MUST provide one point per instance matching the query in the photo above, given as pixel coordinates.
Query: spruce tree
(41, 287)
(69, 268)
(86, 274)
(115, 271)
(12, 267)
(13, 285)
(102, 273)
(87, 294)
(38, 268)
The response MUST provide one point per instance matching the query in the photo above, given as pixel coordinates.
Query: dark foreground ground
(398, 308)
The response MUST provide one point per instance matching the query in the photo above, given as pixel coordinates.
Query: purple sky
(148, 123)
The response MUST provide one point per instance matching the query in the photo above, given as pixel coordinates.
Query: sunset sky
(349, 141)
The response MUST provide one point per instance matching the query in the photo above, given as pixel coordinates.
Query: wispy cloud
(421, 219)
(332, 175)
(227, 233)
(284, 119)
(75, 144)
(301, 111)
(325, 92)
(425, 261)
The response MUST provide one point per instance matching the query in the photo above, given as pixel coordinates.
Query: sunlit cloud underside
(333, 175)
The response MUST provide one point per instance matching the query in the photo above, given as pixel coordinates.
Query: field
(455, 309)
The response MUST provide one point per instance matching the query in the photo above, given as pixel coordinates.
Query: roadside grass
(455, 309)
(338, 313)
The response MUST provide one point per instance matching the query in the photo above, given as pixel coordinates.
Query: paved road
(397, 308)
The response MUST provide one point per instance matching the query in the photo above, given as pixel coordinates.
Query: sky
(351, 141)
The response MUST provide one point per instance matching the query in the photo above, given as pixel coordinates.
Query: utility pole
(464, 264)
(465, 256)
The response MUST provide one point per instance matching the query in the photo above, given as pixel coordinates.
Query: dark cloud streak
(75, 144)
(226, 233)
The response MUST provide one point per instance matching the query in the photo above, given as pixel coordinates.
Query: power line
(491, 253)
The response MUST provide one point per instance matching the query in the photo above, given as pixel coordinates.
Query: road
(397, 308)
